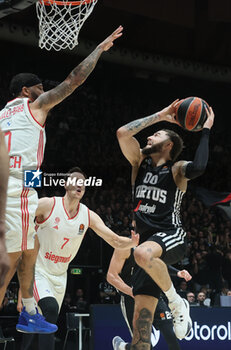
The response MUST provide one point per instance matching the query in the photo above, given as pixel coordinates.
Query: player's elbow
(109, 277)
(121, 132)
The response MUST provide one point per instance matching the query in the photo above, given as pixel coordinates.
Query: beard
(155, 148)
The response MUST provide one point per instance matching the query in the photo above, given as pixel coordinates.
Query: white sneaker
(118, 343)
(182, 322)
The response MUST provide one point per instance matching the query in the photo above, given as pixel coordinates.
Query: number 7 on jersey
(66, 241)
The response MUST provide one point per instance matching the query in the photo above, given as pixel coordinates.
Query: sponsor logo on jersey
(57, 258)
(81, 229)
(57, 221)
(32, 178)
(149, 209)
(165, 315)
(164, 170)
(11, 111)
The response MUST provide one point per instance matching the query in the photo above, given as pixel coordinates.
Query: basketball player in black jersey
(119, 275)
(159, 185)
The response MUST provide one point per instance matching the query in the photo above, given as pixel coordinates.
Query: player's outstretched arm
(49, 99)
(4, 174)
(97, 224)
(129, 145)
(115, 267)
(191, 170)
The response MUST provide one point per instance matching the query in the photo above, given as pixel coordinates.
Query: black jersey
(157, 199)
(127, 270)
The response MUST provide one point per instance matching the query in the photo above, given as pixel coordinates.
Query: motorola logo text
(205, 332)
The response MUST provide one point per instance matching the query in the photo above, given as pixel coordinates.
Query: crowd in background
(82, 132)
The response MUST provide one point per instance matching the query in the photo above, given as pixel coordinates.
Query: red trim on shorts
(40, 150)
(35, 292)
(42, 126)
(89, 221)
(138, 205)
(25, 217)
(67, 212)
(41, 222)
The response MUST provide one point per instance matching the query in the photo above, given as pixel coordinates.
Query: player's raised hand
(135, 238)
(184, 274)
(168, 113)
(210, 118)
(108, 42)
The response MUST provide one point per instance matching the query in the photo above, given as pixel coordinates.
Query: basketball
(191, 113)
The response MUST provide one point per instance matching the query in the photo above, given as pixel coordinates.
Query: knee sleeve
(50, 309)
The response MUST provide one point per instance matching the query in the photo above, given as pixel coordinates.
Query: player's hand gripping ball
(191, 113)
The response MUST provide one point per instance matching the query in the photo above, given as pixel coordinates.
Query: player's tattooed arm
(142, 331)
(166, 114)
(136, 126)
(129, 145)
(49, 99)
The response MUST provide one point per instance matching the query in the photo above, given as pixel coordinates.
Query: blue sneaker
(34, 323)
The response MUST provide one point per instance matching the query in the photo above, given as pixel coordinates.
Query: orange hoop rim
(60, 3)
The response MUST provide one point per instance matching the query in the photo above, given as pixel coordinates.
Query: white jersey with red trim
(60, 238)
(25, 137)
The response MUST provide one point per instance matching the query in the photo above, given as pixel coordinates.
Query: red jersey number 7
(66, 241)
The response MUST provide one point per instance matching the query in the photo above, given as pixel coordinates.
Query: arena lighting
(133, 58)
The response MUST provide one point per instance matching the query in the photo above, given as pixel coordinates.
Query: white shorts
(20, 213)
(46, 285)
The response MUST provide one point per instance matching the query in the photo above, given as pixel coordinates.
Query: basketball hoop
(60, 22)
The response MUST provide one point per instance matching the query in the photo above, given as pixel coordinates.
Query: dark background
(194, 37)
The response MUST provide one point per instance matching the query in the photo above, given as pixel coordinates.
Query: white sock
(122, 346)
(29, 304)
(171, 294)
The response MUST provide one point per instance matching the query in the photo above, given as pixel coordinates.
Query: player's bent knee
(50, 308)
(140, 257)
(143, 256)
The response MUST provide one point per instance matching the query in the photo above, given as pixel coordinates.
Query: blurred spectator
(226, 268)
(79, 304)
(201, 299)
(191, 298)
(107, 293)
(183, 289)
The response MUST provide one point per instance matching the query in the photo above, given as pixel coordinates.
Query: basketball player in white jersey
(4, 173)
(22, 120)
(62, 223)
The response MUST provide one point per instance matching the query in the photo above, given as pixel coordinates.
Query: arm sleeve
(172, 270)
(198, 166)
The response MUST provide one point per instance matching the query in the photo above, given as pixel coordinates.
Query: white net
(61, 21)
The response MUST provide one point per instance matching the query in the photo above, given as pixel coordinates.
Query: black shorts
(173, 243)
